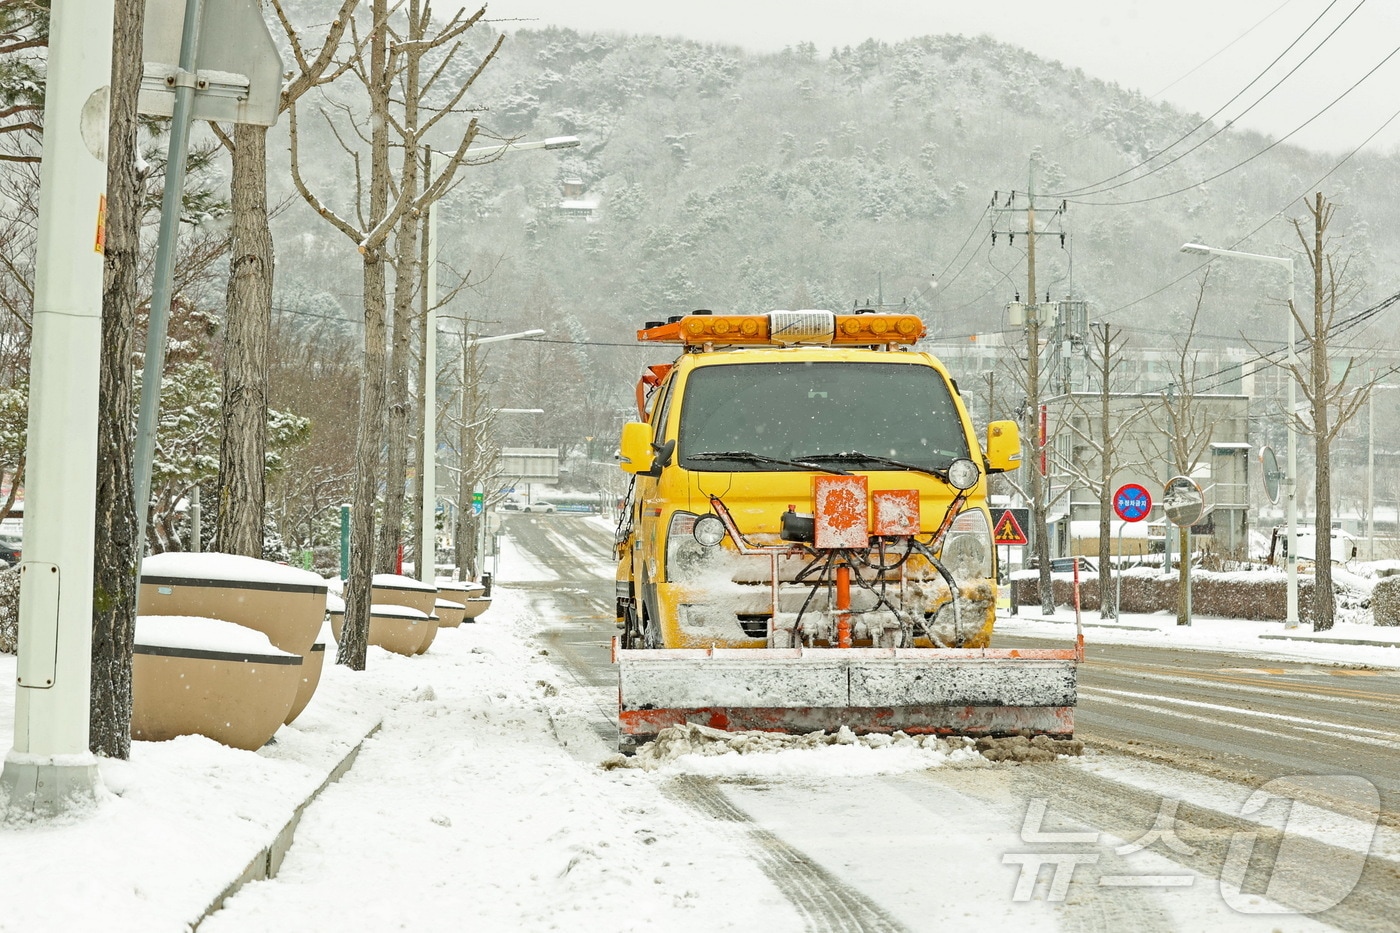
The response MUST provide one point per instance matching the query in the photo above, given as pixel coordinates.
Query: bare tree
(1330, 405)
(1183, 427)
(1099, 421)
(1031, 483)
(474, 460)
(409, 60)
(378, 211)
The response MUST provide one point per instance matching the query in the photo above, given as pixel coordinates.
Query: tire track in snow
(826, 903)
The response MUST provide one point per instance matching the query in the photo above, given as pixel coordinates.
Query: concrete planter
(400, 629)
(236, 697)
(429, 634)
(312, 663)
(459, 590)
(450, 613)
(285, 604)
(475, 606)
(388, 589)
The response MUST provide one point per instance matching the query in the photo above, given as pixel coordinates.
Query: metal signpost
(205, 60)
(1009, 529)
(1131, 503)
(1184, 505)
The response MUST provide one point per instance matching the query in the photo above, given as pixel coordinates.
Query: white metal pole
(162, 283)
(50, 768)
(437, 162)
(1371, 474)
(1292, 479)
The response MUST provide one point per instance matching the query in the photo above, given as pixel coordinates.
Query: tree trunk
(1108, 606)
(114, 552)
(368, 436)
(405, 300)
(370, 428)
(467, 529)
(465, 534)
(1324, 604)
(398, 407)
(242, 452)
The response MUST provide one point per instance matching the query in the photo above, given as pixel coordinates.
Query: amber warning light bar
(786, 328)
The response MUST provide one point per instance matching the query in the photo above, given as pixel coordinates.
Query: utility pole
(1032, 433)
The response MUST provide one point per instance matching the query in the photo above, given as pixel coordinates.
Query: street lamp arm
(1200, 249)
(477, 341)
(553, 142)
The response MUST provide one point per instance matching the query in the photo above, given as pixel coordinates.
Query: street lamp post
(427, 551)
(1290, 482)
(1371, 467)
(427, 547)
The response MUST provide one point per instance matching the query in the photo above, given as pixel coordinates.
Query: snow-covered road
(483, 803)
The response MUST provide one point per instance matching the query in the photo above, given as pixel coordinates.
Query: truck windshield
(788, 411)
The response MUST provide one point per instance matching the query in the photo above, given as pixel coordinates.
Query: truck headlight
(685, 556)
(963, 474)
(709, 530)
(967, 552)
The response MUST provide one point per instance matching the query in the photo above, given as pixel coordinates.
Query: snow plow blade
(938, 691)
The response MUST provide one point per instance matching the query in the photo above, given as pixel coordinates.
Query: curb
(1322, 639)
(1117, 625)
(269, 859)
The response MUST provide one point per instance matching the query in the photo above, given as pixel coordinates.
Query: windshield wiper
(856, 457)
(748, 456)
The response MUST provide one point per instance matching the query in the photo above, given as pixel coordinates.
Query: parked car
(1066, 565)
(539, 507)
(10, 550)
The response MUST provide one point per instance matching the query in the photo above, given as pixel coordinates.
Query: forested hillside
(827, 178)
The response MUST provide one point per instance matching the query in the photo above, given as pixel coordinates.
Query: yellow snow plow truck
(805, 543)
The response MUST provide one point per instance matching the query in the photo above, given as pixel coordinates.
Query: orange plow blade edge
(939, 691)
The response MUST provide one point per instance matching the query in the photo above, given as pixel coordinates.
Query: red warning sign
(1008, 530)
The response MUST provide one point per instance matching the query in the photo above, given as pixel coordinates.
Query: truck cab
(746, 425)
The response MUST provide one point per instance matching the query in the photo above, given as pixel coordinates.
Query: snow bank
(697, 749)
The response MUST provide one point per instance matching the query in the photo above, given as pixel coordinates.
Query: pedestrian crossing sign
(1008, 530)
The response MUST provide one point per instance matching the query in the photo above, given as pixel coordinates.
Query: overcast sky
(1194, 53)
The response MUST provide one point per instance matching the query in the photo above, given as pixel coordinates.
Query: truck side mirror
(1003, 446)
(635, 448)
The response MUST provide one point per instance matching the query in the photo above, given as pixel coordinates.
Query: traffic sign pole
(1131, 503)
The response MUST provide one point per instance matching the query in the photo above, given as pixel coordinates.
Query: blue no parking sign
(1132, 502)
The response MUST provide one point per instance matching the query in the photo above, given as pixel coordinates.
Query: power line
(1246, 161)
(1311, 187)
(1097, 187)
(1089, 131)
(1227, 46)
(975, 224)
